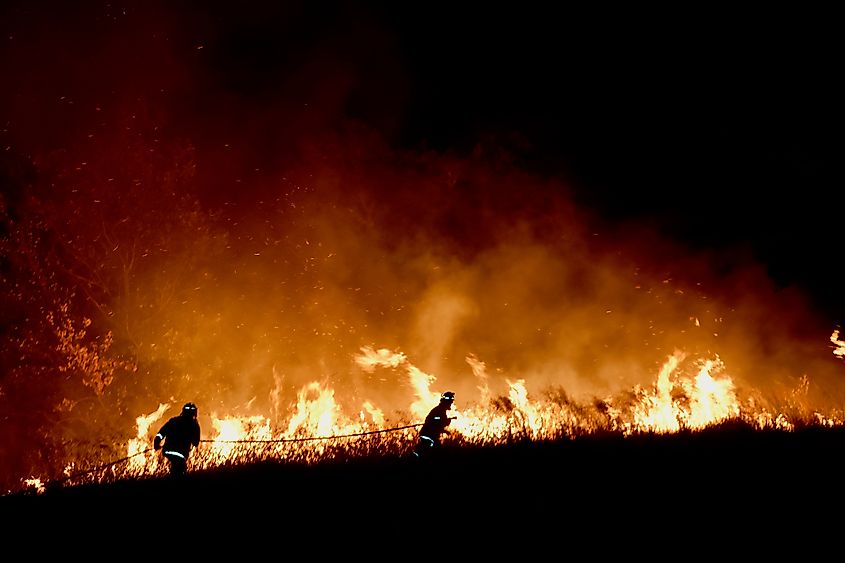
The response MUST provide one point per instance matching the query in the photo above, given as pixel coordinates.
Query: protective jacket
(436, 422)
(179, 434)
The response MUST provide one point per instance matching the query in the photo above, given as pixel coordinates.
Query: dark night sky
(724, 127)
(721, 126)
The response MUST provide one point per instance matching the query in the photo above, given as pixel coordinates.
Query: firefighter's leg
(424, 445)
(178, 463)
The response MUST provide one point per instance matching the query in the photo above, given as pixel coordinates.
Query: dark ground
(732, 490)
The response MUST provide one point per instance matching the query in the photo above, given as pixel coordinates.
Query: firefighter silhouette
(177, 437)
(434, 425)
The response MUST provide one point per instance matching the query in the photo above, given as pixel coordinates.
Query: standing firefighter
(435, 424)
(179, 435)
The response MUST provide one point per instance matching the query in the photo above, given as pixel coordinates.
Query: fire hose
(99, 468)
(121, 460)
(314, 437)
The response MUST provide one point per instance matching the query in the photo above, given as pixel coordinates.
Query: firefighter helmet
(447, 396)
(189, 409)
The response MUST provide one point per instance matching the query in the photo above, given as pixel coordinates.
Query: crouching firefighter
(177, 437)
(434, 425)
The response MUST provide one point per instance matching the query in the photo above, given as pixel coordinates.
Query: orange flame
(681, 398)
(840, 344)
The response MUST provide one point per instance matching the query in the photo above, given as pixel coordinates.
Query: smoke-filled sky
(568, 195)
(721, 125)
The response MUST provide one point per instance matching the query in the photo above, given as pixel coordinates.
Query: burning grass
(505, 422)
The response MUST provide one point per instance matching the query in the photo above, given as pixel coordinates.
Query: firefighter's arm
(157, 441)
